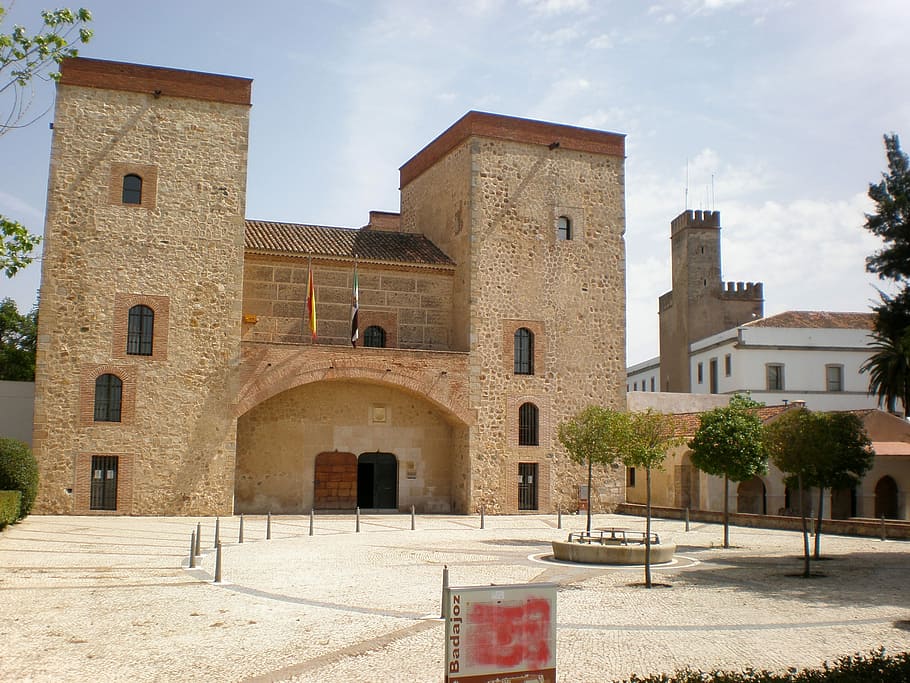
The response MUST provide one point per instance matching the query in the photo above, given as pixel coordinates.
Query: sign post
(505, 634)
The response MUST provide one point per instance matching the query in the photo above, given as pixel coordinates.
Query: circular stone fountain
(612, 545)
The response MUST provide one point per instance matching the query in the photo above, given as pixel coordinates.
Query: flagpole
(311, 299)
(355, 308)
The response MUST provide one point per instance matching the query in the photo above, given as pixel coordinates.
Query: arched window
(108, 396)
(140, 331)
(524, 351)
(563, 228)
(374, 336)
(527, 425)
(132, 189)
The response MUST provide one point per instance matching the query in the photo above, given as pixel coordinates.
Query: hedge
(859, 668)
(10, 502)
(19, 472)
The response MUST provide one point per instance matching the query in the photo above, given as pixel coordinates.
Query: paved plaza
(111, 598)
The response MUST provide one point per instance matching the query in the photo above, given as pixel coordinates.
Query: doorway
(886, 498)
(104, 482)
(377, 481)
(527, 486)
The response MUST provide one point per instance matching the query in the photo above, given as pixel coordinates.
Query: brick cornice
(155, 80)
(511, 129)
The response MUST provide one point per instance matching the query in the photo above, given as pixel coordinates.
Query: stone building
(177, 372)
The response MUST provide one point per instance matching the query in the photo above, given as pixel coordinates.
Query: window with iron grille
(108, 397)
(527, 425)
(524, 351)
(527, 485)
(104, 482)
(140, 331)
(374, 336)
(132, 189)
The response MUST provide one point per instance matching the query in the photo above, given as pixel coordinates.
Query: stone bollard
(268, 526)
(240, 538)
(217, 531)
(192, 564)
(311, 521)
(412, 519)
(445, 587)
(357, 518)
(884, 532)
(687, 519)
(218, 563)
(198, 538)
(481, 516)
(558, 518)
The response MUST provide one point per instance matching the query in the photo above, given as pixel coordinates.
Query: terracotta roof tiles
(686, 424)
(816, 319)
(344, 243)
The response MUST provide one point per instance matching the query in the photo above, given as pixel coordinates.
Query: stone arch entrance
(750, 497)
(886, 498)
(377, 481)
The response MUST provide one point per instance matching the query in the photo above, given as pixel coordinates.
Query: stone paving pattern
(111, 598)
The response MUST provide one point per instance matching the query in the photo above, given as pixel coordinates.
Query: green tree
(843, 457)
(791, 440)
(643, 440)
(18, 472)
(729, 444)
(889, 367)
(25, 58)
(18, 339)
(587, 438)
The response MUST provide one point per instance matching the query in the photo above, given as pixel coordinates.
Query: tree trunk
(726, 512)
(802, 513)
(648, 530)
(818, 524)
(590, 477)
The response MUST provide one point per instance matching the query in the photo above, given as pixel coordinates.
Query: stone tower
(699, 304)
(533, 216)
(140, 307)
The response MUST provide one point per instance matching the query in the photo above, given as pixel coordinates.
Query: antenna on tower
(686, 207)
(712, 192)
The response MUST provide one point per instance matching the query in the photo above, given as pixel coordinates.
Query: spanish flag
(355, 307)
(311, 301)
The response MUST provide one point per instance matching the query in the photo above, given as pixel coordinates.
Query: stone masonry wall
(184, 249)
(413, 306)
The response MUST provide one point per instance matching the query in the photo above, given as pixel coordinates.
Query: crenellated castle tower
(700, 303)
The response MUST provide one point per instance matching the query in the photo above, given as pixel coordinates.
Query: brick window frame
(387, 320)
(89, 374)
(82, 485)
(161, 307)
(544, 427)
(537, 328)
(149, 175)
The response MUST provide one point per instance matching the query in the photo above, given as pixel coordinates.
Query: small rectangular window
(630, 476)
(775, 377)
(700, 372)
(728, 365)
(834, 378)
(652, 384)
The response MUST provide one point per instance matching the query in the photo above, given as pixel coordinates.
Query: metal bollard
(218, 563)
(357, 517)
(558, 518)
(687, 519)
(217, 531)
(311, 521)
(268, 526)
(192, 564)
(481, 516)
(445, 587)
(412, 518)
(884, 533)
(198, 538)
(240, 539)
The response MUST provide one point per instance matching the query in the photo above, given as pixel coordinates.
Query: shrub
(858, 668)
(19, 472)
(9, 507)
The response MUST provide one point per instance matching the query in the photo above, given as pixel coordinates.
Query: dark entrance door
(527, 486)
(104, 482)
(886, 498)
(377, 481)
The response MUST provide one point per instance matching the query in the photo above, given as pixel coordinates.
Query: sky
(771, 112)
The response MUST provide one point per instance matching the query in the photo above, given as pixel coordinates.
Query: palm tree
(889, 369)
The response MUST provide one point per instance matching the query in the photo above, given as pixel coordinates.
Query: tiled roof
(344, 243)
(686, 424)
(817, 319)
(891, 447)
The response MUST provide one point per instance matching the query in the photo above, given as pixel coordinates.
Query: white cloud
(557, 6)
(560, 36)
(602, 42)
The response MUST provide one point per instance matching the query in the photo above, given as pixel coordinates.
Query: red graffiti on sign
(509, 634)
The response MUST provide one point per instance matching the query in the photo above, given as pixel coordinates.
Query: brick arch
(435, 383)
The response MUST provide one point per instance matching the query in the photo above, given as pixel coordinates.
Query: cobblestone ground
(112, 598)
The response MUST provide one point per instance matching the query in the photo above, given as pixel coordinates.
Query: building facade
(177, 372)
